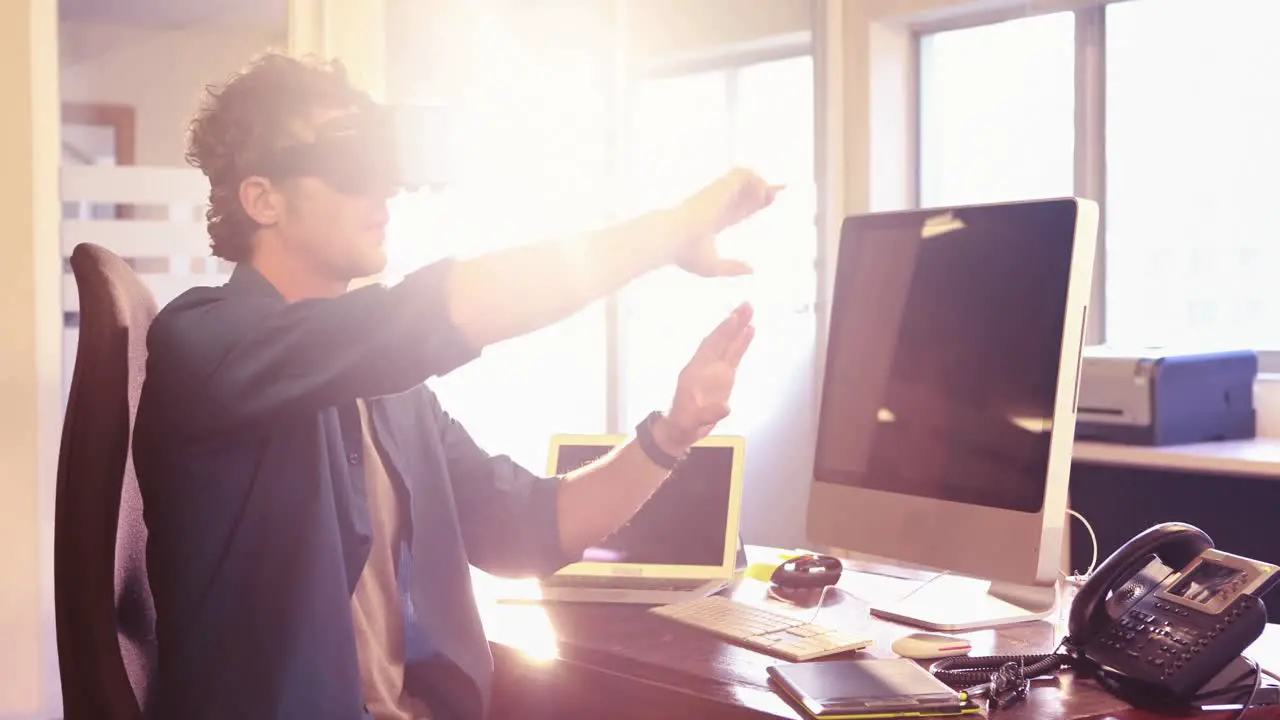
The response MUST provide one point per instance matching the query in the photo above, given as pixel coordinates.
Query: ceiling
(172, 14)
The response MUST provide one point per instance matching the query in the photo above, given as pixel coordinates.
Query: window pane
(678, 139)
(686, 131)
(997, 112)
(773, 120)
(1191, 155)
(773, 116)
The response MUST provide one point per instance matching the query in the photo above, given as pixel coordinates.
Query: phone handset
(1133, 570)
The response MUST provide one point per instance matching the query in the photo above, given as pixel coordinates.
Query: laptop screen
(684, 523)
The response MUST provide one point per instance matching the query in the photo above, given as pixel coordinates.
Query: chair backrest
(104, 610)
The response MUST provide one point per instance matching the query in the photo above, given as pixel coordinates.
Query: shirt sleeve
(232, 359)
(509, 516)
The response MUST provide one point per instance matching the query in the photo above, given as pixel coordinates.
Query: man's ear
(261, 201)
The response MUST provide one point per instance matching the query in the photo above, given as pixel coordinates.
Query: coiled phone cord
(964, 672)
(977, 676)
(1001, 679)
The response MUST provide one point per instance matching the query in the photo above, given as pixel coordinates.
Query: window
(677, 139)
(997, 118)
(1191, 154)
(1186, 139)
(684, 131)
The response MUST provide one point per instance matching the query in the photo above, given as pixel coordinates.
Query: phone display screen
(1206, 582)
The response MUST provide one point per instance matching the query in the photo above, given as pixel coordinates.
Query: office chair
(103, 607)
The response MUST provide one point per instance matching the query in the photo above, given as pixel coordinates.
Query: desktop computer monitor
(948, 402)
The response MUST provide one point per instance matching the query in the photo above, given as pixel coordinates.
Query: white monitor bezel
(971, 540)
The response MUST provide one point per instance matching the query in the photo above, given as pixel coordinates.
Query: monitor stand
(950, 603)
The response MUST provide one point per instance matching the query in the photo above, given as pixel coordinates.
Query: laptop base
(628, 596)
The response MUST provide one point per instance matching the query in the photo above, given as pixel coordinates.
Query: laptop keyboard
(623, 582)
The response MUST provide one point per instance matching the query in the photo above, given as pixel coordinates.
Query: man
(312, 510)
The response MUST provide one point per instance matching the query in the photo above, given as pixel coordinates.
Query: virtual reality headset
(383, 148)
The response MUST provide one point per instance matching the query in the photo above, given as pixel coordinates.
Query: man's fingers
(714, 343)
(717, 343)
(738, 346)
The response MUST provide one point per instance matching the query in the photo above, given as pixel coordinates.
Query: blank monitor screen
(684, 523)
(942, 365)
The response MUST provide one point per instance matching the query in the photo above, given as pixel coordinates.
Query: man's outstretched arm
(507, 294)
(246, 359)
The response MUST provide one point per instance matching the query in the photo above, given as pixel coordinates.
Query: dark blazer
(248, 453)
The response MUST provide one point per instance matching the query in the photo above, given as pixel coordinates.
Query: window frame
(730, 58)
(1090, 122)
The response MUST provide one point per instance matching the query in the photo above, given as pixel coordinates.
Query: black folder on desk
(872, 688)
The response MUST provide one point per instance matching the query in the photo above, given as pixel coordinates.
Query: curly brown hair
(245, 118)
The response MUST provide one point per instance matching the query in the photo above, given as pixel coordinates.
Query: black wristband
(644, 436)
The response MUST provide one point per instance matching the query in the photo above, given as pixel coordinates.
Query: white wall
(427, 36)
(676, 28)
(29, 363)
(158, 72)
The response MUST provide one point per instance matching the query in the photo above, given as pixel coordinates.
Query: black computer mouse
(807, 572)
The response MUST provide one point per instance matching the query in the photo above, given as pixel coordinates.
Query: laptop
(683, 543)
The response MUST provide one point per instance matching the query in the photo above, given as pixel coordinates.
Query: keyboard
(758, 629)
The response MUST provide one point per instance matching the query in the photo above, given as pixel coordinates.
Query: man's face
(334, 227)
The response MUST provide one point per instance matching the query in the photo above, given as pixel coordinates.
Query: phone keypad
(1164, 643)
(1154, 641)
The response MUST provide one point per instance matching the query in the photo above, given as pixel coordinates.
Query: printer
(1157, 397)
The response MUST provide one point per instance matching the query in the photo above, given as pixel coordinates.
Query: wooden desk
(618, 661)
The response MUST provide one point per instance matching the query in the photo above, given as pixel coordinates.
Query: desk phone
(1157, 621)
(1179, 635)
